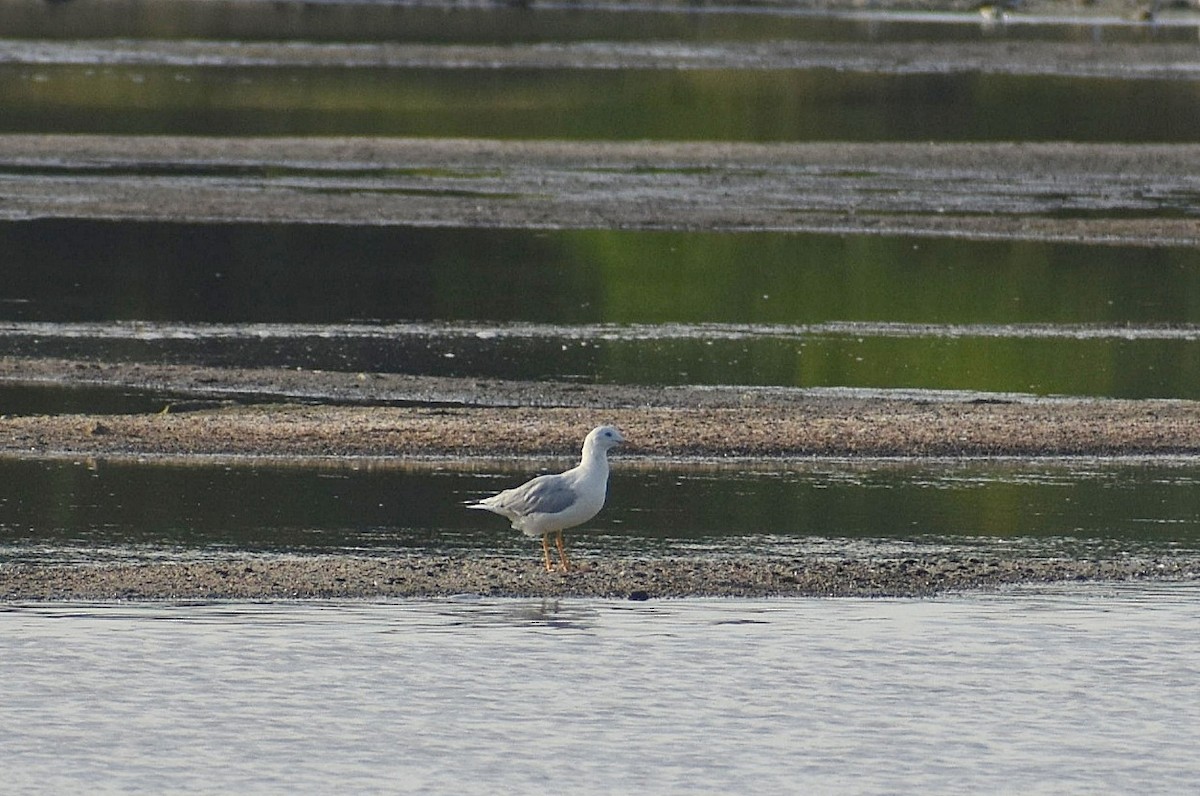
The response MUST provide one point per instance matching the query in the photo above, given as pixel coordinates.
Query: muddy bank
(829, 428)
(439, 576)
(1093, 193)
(188, 387)
(679, 424)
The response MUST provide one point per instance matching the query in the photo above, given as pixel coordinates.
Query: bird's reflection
(544, 613)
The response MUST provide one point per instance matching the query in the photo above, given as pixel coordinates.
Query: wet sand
(342, 577)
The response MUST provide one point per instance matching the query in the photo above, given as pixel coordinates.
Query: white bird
(551, 503)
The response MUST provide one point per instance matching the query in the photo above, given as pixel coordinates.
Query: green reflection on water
(66, 270)
(1112, 368)
(394, 22)
(85, 270)
(104, 506)
(88, 271)
(742, 105)
(1101, 367)
(778, 278)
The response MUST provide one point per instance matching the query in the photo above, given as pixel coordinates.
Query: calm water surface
(1082, 689)
(81, 270)
(580, 104)
(646, 308)
(90, 511)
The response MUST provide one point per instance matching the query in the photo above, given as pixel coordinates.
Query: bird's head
(605, 437)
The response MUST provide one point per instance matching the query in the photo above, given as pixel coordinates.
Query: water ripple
(1062, 689)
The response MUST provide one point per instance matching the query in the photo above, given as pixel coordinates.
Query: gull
(549, 504)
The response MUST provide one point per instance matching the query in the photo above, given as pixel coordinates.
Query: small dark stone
(639, 595)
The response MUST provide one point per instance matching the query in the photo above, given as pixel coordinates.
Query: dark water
(1114, 362)
(68, 270)
(727, 105)
(33, 400)
(509, 23)
(649, 308)
(101, 510)
(78, 92)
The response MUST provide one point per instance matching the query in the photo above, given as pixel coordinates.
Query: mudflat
(1014, 191)
(451, 418)
(982, 190)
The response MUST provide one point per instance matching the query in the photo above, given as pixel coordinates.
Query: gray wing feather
(546, 494)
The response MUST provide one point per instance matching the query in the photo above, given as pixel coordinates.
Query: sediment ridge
(344, 577)
(264, 413)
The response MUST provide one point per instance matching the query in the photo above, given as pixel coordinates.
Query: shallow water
(609, 307)
(593, 104)
(1109, 362)
(60, 511)
(100, 66)
(1081, 689)
(83, 270)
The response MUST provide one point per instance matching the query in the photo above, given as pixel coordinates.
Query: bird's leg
(546, 553)
(562, 553)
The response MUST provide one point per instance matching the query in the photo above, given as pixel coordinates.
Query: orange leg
(546, 553)
(562, 553)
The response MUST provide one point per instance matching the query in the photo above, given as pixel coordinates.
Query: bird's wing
(546, 494)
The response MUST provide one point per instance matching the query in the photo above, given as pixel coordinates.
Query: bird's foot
(573, 569)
